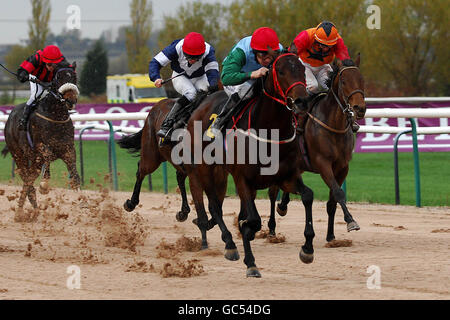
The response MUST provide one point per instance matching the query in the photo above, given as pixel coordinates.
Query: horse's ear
(358, 59)
(74, 65)
(293, 48)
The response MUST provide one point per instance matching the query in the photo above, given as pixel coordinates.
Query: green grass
(371, 176)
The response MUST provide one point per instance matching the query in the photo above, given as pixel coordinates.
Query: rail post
(80, 143)
(112, 156)
(416, 161)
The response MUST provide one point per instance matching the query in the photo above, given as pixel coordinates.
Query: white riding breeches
(189, 87)
(241, 89)
(36, 92)
(316, 77)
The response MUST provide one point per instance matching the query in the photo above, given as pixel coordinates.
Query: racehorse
(49, 136)
(329, 141)
(283, 91)
(153, 153)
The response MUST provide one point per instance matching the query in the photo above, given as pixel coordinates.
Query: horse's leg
(202, 218)
(331, 210)
(282, 206)
(248, 226)
(307, 251)
(184, 212)
(141, 172)
(273, 192)
(215, 209)
(339, 196)
(70, 159)
(44, 185)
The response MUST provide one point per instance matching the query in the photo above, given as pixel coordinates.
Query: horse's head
(286, 82)
(65, 84)
(349, 86)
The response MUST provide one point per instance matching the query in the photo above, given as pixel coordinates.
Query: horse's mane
(333, 74)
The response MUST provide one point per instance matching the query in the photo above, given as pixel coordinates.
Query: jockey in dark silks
(42, 66)
(196, 60)
(246, 62)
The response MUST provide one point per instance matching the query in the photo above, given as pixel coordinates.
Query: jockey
(42, 66)
(247, 61)
(317, 48)
(197, 59)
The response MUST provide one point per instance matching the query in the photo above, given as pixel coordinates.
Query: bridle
(278, 90)
(348, 110)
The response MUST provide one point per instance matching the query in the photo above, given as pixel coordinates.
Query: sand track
(147, 254)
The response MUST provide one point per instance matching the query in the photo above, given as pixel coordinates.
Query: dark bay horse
(49, 136)
(283, 92)
(152, 154)
(329, 141)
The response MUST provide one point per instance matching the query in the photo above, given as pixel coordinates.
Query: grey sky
(15, 13)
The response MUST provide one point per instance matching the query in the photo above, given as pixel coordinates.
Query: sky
(96, 16)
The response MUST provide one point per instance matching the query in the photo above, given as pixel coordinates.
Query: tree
(137, 36)
(13, 59)
(38, 24)
(95, 69)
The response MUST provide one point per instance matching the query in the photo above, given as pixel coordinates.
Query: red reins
(277, 86)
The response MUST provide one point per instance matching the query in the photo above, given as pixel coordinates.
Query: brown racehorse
(152, 154)
(329, 141)
(51, 137)
(283, 91)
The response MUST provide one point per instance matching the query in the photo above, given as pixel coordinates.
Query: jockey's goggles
(191, 57)
(263, 54)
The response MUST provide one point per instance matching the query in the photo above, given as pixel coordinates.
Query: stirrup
(355, 127)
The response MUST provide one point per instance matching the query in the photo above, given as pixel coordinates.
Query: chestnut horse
(329, 141)
(284, 92)
(49, 136)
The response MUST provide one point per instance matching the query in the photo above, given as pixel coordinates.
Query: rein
(347, 110)
(51, 120)
(277, 87)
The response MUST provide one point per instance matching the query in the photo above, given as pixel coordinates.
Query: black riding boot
(171, 117)
(227, 111)
(355, 126)
(25, 116)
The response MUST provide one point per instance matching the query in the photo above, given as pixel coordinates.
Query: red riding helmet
(194, 44)
(52, 54)
(264, 37)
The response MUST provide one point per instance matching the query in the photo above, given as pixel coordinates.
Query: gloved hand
(214, 88)
(22, 75)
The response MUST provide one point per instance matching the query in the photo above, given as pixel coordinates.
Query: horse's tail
(5, 151)
(131, 142)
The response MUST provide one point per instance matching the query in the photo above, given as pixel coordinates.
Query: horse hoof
(181, 216)
(352, 226)
(231, 254)
(281, 212)
(128, 206)
(253, 272)
(21, 216)
(204, 246)
(306, 257)
(330, 238)
(44, 188)
(272, 233)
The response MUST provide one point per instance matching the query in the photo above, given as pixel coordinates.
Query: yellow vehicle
(129, 88)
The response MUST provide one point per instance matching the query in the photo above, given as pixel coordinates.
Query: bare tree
(39, 23)
(138, 34)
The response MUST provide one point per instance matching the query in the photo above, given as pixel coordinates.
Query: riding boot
(227, 111)
(170, 119)
(25, 116)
